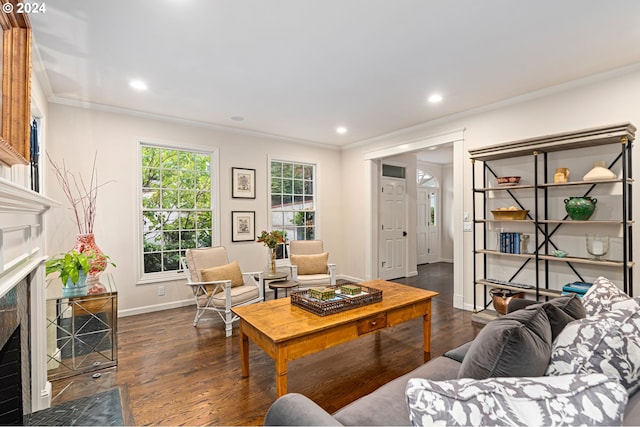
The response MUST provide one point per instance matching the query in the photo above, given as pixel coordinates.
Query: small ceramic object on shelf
(508, 180)
(560, 253)
(561, 175)
(580, 208)
(599, 172)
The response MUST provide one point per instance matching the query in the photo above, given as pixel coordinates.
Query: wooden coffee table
(286, 332)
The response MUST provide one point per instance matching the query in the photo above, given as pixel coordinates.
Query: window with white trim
(176, 205)
(293, 201)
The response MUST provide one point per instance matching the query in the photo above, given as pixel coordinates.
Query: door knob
(404, 234)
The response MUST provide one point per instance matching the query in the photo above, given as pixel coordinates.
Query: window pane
(171, 261)
(287, 186)
(308, 172)
(150, 178)
(150, 199)
(204, 238)
(176, 205)
(276, 201)
(187, 199)
(169, 199)
(187, 179)
(276, 186)
(203, 200)
(292, 200)
(152, 263)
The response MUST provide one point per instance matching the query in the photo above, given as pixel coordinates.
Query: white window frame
(214, 152)
(316, 180)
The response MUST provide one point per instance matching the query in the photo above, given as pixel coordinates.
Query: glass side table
(81, 330)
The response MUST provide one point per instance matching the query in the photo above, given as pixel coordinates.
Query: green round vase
(580, 208)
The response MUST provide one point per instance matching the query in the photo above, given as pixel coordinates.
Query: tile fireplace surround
(22, 287)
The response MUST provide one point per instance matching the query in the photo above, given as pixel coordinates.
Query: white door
(393, 219)
(422, 228)
(428, 228)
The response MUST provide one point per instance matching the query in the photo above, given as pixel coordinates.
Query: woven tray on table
(339, 303)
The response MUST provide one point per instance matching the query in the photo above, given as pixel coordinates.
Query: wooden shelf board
(506, 220)
(605, 263)
(584, 138)
(571, 221)
(503, 188)
(544, 292)
(576, 260)
(490, 252)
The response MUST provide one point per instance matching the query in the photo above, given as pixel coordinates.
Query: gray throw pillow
(515, 345)
(561, 311)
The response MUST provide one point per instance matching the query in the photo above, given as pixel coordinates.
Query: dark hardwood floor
(175, 374)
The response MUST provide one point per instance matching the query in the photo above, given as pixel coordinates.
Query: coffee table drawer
(372, 324)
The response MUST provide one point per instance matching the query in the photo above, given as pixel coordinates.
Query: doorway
(373, 162)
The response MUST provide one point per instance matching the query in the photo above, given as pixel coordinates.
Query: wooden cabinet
(556, 252)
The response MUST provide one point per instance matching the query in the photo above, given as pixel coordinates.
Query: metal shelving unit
(535, 153)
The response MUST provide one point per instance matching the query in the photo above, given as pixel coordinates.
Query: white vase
(599, 172)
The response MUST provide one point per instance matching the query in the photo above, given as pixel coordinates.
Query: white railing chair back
(218, 285)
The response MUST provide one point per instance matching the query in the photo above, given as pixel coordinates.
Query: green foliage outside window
(293, 199)
(176, 205)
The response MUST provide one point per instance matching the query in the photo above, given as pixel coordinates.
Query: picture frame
(243, 226)
(243, 183)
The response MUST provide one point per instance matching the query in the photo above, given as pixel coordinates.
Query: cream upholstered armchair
(218, 285)
(309, 264)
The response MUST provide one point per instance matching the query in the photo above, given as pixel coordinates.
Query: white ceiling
(300, 68)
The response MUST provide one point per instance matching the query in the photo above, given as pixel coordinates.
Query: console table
(81, 330)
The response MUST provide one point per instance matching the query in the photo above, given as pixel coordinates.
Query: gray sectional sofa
(530, 363)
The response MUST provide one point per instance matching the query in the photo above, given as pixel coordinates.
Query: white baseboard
(153, 308)
(350, 278)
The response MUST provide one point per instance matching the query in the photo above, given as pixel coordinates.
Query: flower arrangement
(271, 239)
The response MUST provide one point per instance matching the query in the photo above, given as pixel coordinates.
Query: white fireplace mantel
(22, 257)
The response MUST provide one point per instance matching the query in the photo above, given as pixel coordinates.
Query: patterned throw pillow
(592, 399)
(607, 343)
(601, 295)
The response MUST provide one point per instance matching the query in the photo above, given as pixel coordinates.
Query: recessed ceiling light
(435, 98)
(138, 85)
(237, 118)
(341, 130)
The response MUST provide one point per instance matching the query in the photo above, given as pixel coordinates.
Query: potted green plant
(73, 268)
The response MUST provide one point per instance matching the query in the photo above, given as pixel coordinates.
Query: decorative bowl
(509, 214)
(501, 297)
(508, 180)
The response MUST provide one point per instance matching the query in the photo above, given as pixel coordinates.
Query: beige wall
(74, 134)
(596, 101)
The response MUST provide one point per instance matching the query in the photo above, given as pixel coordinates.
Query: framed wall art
(243, 183)
(243, 226)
